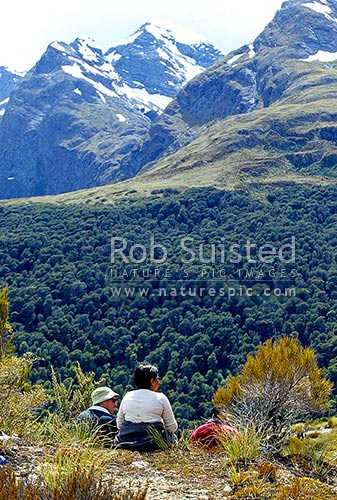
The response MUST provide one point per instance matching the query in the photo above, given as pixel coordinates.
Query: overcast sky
(28, 26)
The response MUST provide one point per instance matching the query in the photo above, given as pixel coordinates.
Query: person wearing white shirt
(145, 413)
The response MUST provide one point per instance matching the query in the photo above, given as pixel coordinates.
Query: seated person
(104, 402)
(213, 431)
(145, 419)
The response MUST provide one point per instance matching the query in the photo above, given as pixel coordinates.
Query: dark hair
(144, 374)
(216, 412)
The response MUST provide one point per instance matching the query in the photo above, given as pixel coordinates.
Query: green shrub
(19, 400)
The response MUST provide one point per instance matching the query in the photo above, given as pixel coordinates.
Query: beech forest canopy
(195, 311)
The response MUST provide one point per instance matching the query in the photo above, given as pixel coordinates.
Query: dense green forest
(192, 283)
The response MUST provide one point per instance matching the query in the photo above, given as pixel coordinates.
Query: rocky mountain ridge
(266, 109)
(260, 117)
(78, 111)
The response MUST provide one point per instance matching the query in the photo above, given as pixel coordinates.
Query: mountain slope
(274, 101)
(75, 116)
(260, 117)
(9, 80)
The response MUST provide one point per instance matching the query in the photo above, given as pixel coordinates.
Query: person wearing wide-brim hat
(104, 403)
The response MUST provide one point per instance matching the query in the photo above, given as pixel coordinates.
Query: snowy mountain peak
(164, 30)
(160, 57)
(88, 49)
(85, 49)
(82, 111)
(147, 69)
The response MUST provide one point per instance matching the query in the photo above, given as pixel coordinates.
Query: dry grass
(174, 474)
(48, 473)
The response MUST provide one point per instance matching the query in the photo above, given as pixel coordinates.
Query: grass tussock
(315, 455)
(242, 449)
(69, 475)
(66, 433)
(304, 489)
(332, 422)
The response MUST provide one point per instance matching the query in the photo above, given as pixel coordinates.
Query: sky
(28, 26)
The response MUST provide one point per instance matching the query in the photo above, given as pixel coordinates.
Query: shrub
(59, 424)
(18, 398)
(69, 400)
(277, 385)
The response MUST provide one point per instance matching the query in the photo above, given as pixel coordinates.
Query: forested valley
(56, 260)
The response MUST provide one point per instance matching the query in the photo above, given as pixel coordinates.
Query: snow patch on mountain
(3, 103)
(108, 71)
(85, 47)
(321, 56)
(57, 46)
(15, 72)
(251, 52)
(164, 30)
(76, 71)
(321, 8)
(233, 59)
(318, 7)
(144, 98)
(182, 65)
(9, 79)
(120, 118)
